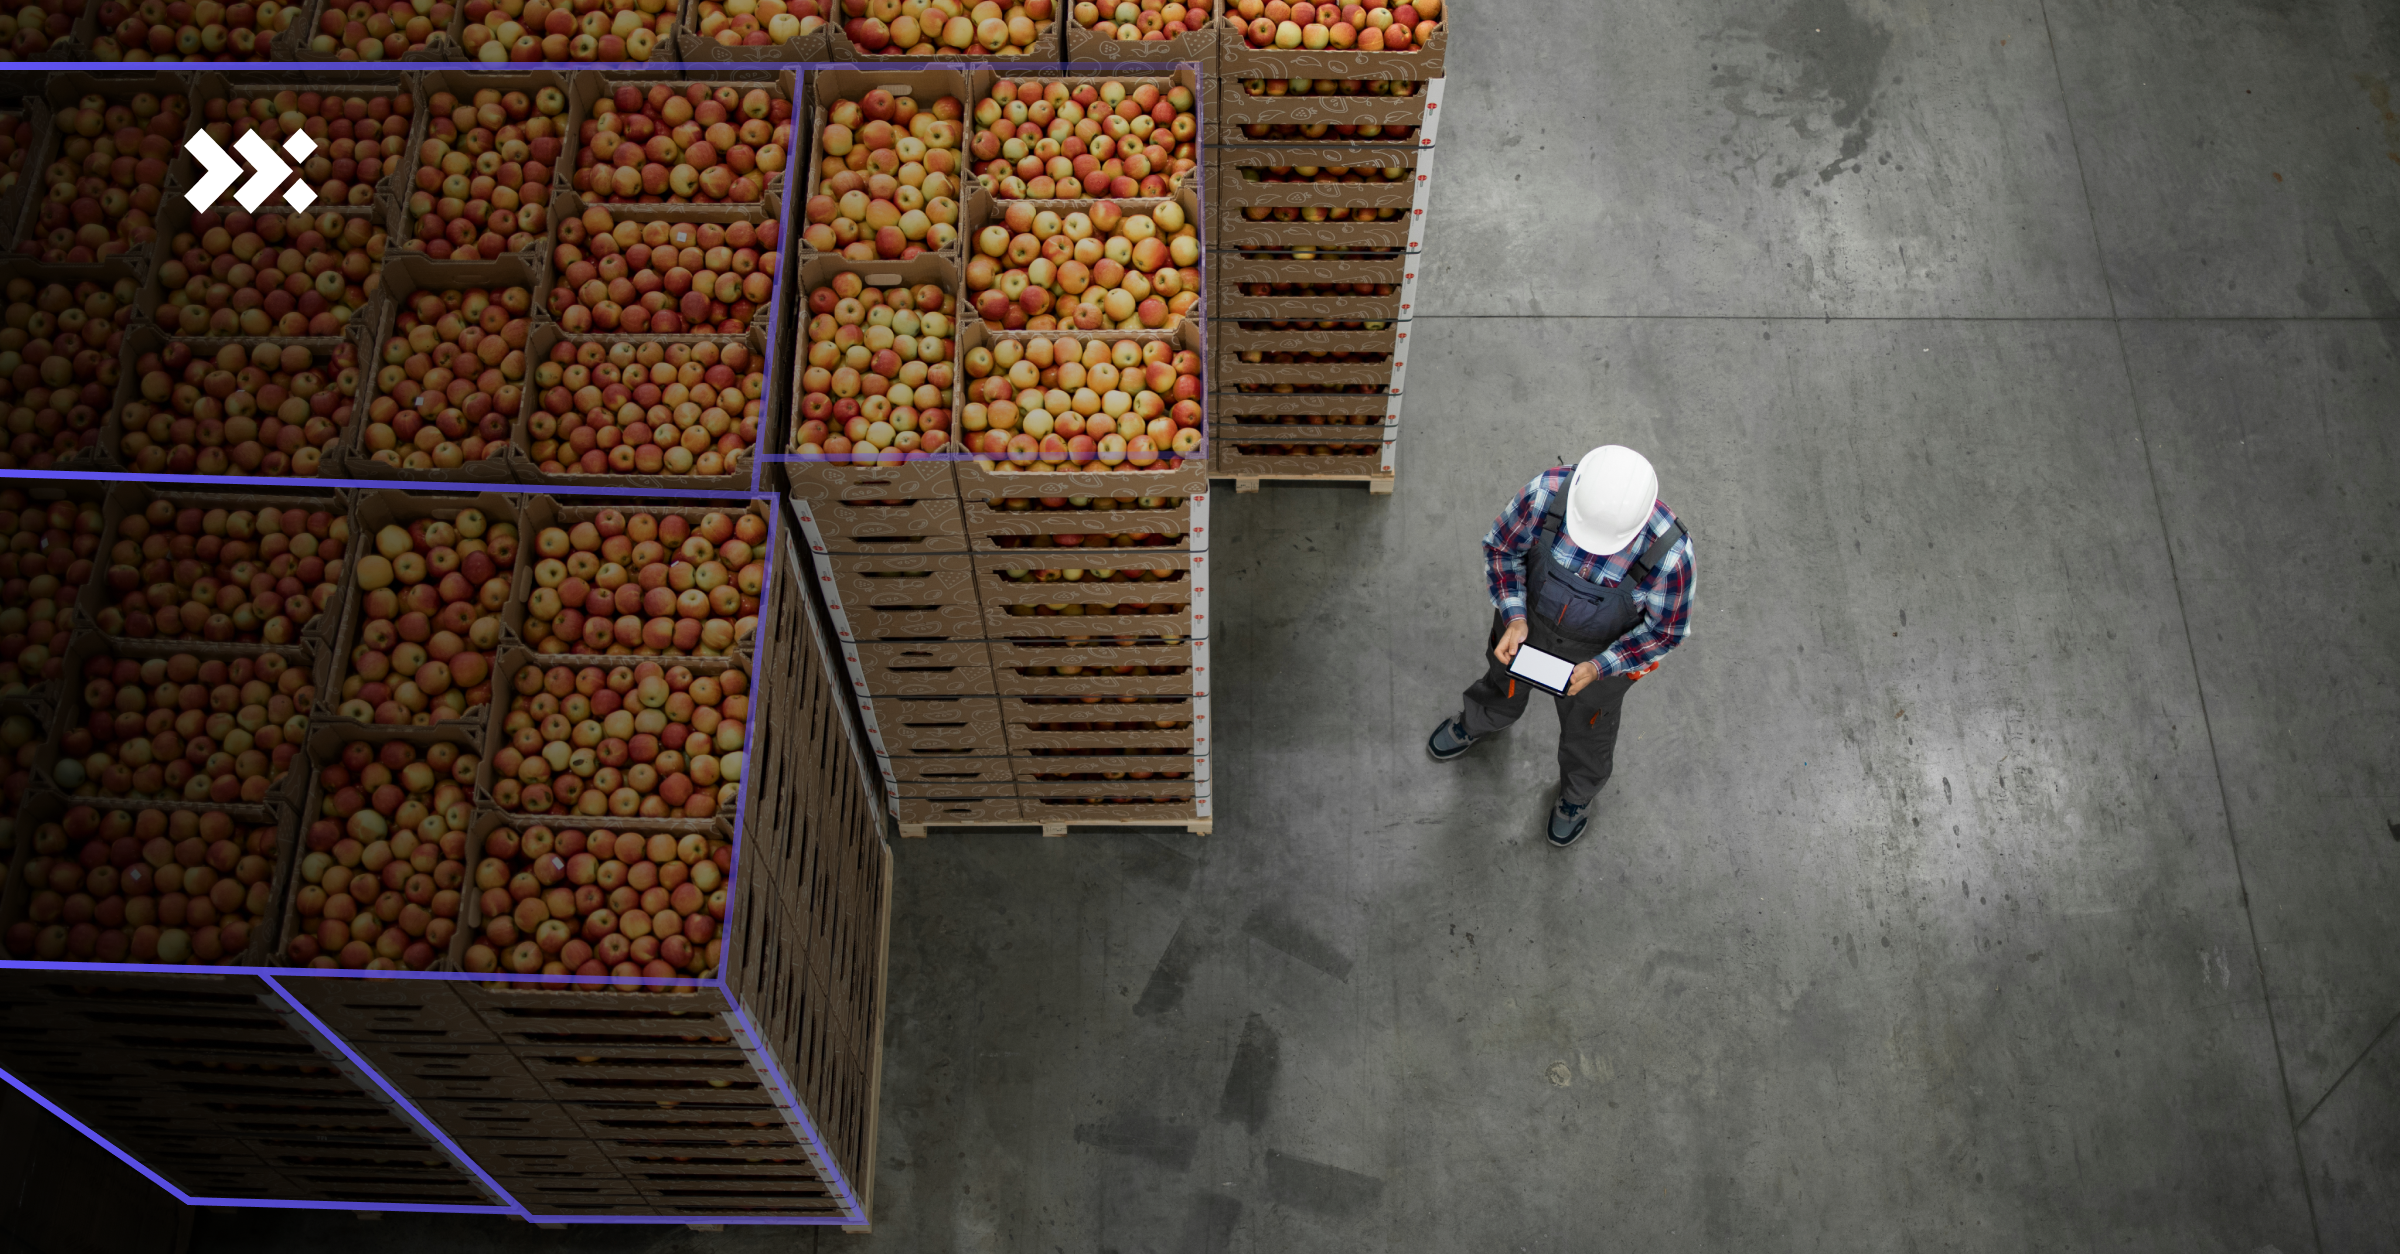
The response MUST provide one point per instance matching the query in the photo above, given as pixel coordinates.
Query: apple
(1306, 357)
(887, 182)
(1320, 213)
(645, 585)
(58, 366)
(430, 411)
(101, 191)
(665, 278)
(186, 729)
(1321, 290)
(1273, 87)
(1058, 140)
(483, 173)
(1368, 26)
(359, 137)
(624, 741)
(273, 275)
(47, 553)
(376, 30)
(600, 903)
(208, 30)
(430, 593)
(701, 145)
(1081, 403)
(1149, 20)
(16, 137)
(652, 408)
(758, 23)
(1365, 451)
(950, 28)
(199, 571)
(27, 33)
(876, 386)
(383, 863)
(251, 409)
(149, 886)
(1105, 269)
(584, 30)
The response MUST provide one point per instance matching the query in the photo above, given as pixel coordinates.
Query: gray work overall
(1577, 619)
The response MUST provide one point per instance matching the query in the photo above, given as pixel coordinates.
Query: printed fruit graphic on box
(182, 727)
(483, 173)
(644, 585)
(600, 902)
(1047, 139)
(167, 886)
(382, 863)
(888, 173)
(430, 600)
(622, 741)
(878, 380)
(1090, 404)
(209, 407)
(223, 575)
(101, 192)
(58, 366)
(700, 145)
(1110, 268)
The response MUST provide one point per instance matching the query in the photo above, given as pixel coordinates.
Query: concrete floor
(2027, 883)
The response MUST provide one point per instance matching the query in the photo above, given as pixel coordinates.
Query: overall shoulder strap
(1653, 557)
(1554, 518)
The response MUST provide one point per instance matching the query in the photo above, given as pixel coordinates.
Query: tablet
(1546, 671)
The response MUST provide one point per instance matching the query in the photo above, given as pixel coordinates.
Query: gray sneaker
(1567, 822)
(1449, 740)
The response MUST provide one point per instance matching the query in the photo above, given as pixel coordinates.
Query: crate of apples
(627, 741)
(450, 380)
(483, 173)
(184, 30)
(172, 886)
(1144, 21)
(879, 377)
(949, 28)
(663, 278)
(685, 583)
(276, 274)
(887, 183)
(16, 139)
(228, 570)
(383, 869)
(1089, 403)
(584, 30)
(58, 366)
(27, 33)
(220, 730)
(756, 24)
(102, 187)
(600, 902)
(660, 407)
(1369, 26)
(1110, 268)
(695, 144)
(361, 135)
(48, 551)
(428, 624)
(1049, 139)
(380, 30)
(213, 407)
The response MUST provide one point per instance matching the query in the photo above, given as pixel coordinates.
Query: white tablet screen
(1545, 670)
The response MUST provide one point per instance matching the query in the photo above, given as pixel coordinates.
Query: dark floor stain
(1278, 928)
(1210, 1229)
(1840, 57)
(1250, 1084)
(1142, 1136)
(1164, 992)
(1317, 1187)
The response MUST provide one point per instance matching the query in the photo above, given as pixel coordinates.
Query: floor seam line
(2166, 536)
(2339, 1080)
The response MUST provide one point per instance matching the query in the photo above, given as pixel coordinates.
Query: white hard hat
(1610, 499)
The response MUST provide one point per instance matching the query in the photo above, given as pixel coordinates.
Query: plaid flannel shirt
(1665, 601)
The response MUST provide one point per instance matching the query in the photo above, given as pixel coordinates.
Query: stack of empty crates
(1025, 648)
(1320, 163)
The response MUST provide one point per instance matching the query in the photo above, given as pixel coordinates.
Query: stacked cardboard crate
(1320, 166)
(988, 621)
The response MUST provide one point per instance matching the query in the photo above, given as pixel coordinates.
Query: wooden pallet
(1197, 827)
(1377, 485)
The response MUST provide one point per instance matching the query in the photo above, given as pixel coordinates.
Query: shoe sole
(1452, 756)
(1572, 836)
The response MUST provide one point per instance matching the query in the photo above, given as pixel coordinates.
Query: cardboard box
(1084, 47)
(930, 479)
(871, 624)
(1234, 304)
(144, 338)
(1043, 732)
(913, 526)
(863, 581)
(981, 81)
(1231, 228)
(403, 275)
(124, 499)
(920, 725)
(1234, 267)
(736, 477)
(921, 669)
(981, 479)
(935, 811)
(589, 86)
(923, 82)
(691, 45)
(496, 734)
(952, 776)
(1044, 51)
(395, 181)
(1039, 773)
(1056, 607)
(1236, 59)
(990, 523)
(1234, 464)
(1068, 811)
(984, 209)
(819, 270)
(61, 90)
(543, 512)
(1242, 410)
(375, 510)
(1238, 105)
(1233, 374)
(1265, 336)
(1239, 176)
(71, 711)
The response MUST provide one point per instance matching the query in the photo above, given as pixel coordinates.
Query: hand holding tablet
(1546, 671)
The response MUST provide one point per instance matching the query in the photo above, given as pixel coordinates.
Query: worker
(1606, 570)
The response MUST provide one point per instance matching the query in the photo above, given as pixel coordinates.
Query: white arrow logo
(222, 170)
